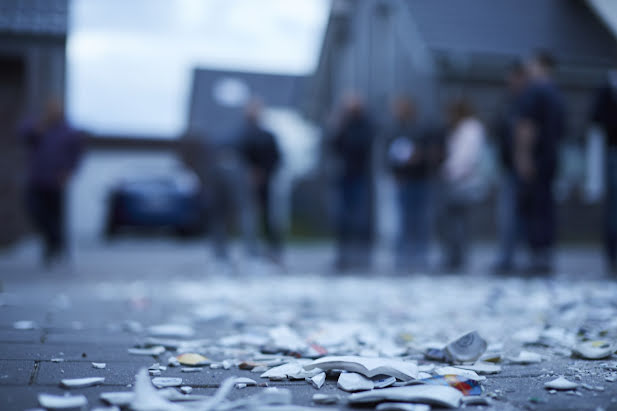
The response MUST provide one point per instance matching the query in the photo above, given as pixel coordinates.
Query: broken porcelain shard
(439, 395)
(367, 366)
(594, 350)
(61, 402)
(402, 406)
(162, 382)
(120, 399)
(326, 399)
(466, 348)
(192, 359)
(25, 325)
(81, 382)
(482, 367)
(99, 365)
(191, 369)
(353, 382)
(147, 398)
(247, 382)
(318, 380)
(459, 371)
(154, 351)
(525, 357)
(464, 385)
(383, 382)
(284, 371)
(561, 384)
(186, 389)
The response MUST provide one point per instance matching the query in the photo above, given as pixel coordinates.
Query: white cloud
(130, 62)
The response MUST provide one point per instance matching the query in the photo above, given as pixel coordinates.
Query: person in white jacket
(461, 178)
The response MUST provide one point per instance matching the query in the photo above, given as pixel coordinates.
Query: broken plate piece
(402, 406)
(60, 402)
(383, 382)
(459, 371)
(464, 385)
(439, 395)
(353, 382)
(146, 398)
(154, 351)
(186, 389)
(99, 365)
(162, 382)
(120, 399)
(367, 366)
(526, 357)
(191, 369)
(192, 359)
(81, 382)
(326, 399)
(560, 384)
(468, 347)
(247, 382)
(283, 371)
(482, 367)
(171, 331)
(318, 380)
(594, 350)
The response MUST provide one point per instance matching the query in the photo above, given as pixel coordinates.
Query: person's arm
(524, 140)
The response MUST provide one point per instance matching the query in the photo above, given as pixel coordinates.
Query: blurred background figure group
(53, 152)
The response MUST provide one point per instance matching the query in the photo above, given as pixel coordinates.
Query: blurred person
(262, 156)
(539, 130)
(604, 115)
(508, 211)
(53, 152)
(352, 145)
(461, 179)
(409, 156)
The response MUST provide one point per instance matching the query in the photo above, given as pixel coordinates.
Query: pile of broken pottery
(389, 350)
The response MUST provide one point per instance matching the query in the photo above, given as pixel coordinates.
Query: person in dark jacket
(539, 130)
(53, 150)
(409, 156)
(352, 145)
(508, 213)
(260, 151)
(604, 115)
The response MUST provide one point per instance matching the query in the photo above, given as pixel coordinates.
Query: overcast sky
(130, 62)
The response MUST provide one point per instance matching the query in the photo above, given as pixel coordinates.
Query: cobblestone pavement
(112, 294)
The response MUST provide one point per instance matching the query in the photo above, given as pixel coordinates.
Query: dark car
(165, 201)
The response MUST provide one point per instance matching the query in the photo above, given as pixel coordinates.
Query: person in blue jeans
(352, 145)
(604, 115)
(409, 153)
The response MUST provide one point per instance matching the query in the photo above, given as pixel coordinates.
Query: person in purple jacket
(53, 152)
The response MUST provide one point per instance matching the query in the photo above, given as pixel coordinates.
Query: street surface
(55, 324)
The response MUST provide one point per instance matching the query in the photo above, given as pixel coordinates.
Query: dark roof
(219, 121)
(568, 28)
(49, 17)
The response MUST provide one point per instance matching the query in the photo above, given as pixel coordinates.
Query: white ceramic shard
(326, 399)
(147, 398)
(120, 399)
(171, 331)
(560, 384)
(282, 371)
(353, 382)
(193, 359)
(57, 360)
(468, 347)
(482, 367)
(81, 382)
(526, 357)
(318, 380)
(99, 365)
(470, 375)
(157, 350)
(477, 400)
(402, 406)
(247, 382)
(60, 402)
(162, 382)
(369, 367)
(383, 382)
(186, 389)
(286, 338)
(303, 374)
(191, 369)
(594, 350)
(439, 395)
